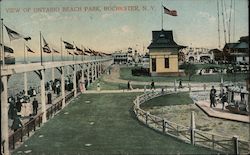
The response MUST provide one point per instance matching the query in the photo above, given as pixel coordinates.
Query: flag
(68, 45)
(69, 53)
(78, 49)
(76, 53)
(7, 49)
(169, 12)
(55, 51)
(15, 35)
(46, 48)
(29, 50)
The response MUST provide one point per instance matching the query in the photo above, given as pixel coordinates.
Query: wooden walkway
(217, 112)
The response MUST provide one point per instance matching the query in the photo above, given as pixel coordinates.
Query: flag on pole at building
(46, 48)
(68, 45)
(29, 50)
(169, 12)
(15, 35)
(55, 51)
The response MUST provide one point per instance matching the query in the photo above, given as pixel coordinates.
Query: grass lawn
(170, 99)
(126, 74)
(107, 125)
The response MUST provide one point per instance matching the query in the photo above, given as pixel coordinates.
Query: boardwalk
(218, 113)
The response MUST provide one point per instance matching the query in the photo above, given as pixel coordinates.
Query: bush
(140, 71)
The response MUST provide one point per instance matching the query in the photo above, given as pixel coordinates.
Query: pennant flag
(29, 50)
(78, 49)
(7, 49)
(27, 38)
(14, 35)
(69, 53)
(169, 12)
(55, 51)
(68, 45)
(76, 53)
(46, 48)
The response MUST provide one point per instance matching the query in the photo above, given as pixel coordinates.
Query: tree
(189, 70)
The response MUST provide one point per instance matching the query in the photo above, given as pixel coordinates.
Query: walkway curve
(114, 77)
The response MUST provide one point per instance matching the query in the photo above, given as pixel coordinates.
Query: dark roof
(242, 45)
(230, 45)
(163, 39)
(244, 39)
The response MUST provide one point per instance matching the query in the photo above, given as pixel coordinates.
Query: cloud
(126, 29)
(207, 16)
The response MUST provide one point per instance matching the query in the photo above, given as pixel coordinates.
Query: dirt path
(114, 77)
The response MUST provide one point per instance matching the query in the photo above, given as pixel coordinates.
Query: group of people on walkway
(223, 98)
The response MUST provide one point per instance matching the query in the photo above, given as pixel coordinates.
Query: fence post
(163, 126)
(189, 87)
(204, 86)
(192, 128)
(213, 141)
(236, 145)
(147, 117)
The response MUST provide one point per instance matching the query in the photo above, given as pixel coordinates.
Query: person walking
(16, 124)
(35, 106)
(49, 96)
(152, 84)
(212, 97)
(224, 99)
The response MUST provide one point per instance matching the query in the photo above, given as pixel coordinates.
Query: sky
(111, 25)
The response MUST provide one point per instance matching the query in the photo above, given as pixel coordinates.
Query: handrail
(36, 122)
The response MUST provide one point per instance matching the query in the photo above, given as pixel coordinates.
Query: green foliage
(189, 69)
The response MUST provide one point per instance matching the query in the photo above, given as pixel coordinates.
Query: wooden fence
(18, 136)
(232, 145)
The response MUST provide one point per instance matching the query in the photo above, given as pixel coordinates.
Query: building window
(166, 62)
(153, 64)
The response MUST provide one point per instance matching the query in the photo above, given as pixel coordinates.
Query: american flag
(169, 12)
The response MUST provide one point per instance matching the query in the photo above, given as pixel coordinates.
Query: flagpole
(41, 52)
(82, 53)
(24, 54)
(3, 53)
(161, 16)
(61, 50)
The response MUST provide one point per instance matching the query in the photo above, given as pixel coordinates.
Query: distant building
(120, 57)
(238, 52)
(163, 54)
(130, 55)
(198, 55)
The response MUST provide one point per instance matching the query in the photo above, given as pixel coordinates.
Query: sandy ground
(181, 114)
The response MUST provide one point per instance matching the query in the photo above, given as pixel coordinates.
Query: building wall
(160, 61)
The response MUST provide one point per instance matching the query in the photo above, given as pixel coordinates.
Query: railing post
(163, 126)
(213, 141)
(236, 145)
(192, 129)
(147, 117)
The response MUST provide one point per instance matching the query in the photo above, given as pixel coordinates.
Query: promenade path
(102, 125)
(114, 77)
